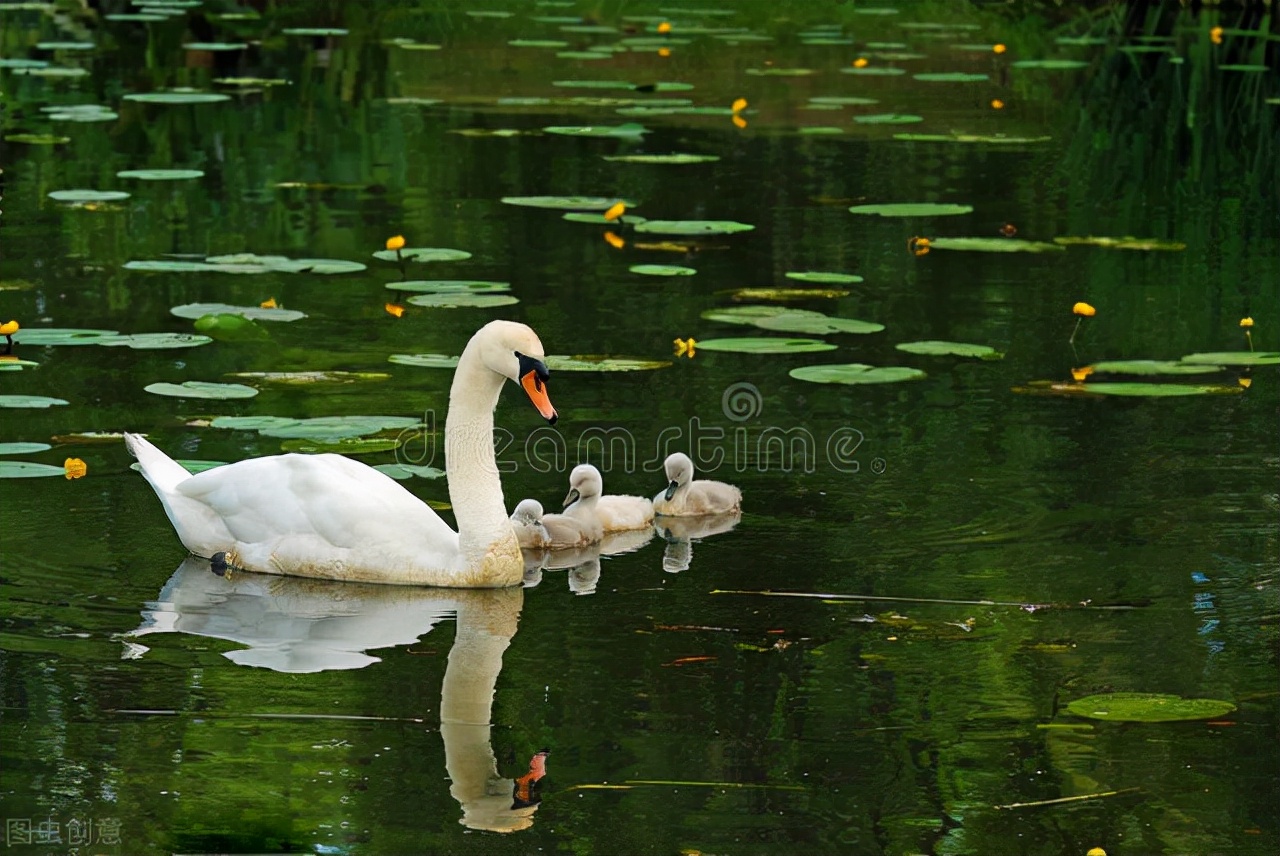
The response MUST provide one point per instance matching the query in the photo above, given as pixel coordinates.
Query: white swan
(616, 512)
(330, 517)
(685, 497)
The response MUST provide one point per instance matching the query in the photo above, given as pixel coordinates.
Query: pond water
(880, 655)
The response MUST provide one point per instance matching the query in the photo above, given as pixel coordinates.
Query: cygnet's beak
(671, 489)
(572, 497)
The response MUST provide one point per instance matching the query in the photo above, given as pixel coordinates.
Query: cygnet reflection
(681, 532)
(583, 563)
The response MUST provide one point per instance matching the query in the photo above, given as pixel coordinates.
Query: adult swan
(330, 517)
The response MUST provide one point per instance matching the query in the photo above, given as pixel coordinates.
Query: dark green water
(996, 554)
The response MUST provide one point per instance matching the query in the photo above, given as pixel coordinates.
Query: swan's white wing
(327, 498)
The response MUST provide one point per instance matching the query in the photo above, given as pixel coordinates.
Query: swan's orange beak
(533, 377)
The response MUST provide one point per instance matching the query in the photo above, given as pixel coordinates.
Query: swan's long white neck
(475, 489)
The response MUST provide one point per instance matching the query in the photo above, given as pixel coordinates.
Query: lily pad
(819, 276)
(318, 32)
(875, 71)
(311, 378)
(202, 389)
(426, 361)
(28, 470)
(161, 174)
(997, 139)
(1050, 64)
(215, 46)
(345, 446)
(23, 448)
(13, 364)
(155, 341)
(552, 44)
(81, 196)
(774, 71)
(61, 336)
(325, 428)
(400, 472)
(804, 321)
(593, 84)
(194, 311)
(1152, 367)
(462, 299)
(1235, 358)
(912, 209)
(888, 119)
(450, 286)
(1129, 243)
(671, 158)
(856, 373)
(37, 401)
(580, 203)
(81, 113)
(629, 130)
(819, 130)
(842, 100)
(1128, 390)
(424, 254)
(993, 245)
(599, 219)
(662, 270)
(693, 227)
(600, 363)
(1148, 707)
(37, 139)
(934, 347)
(787, 293)
(763, 345)
(177, 97)
(950, 77)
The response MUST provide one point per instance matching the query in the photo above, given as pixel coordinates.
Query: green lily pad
(601, 363)
(671, 158)
(842, 100)
(774, 71)
(888, 119)
(993, 245)
(1050, 64)
(912, 209)
(215, 46)
(580, 203)
(345, 446)
(201, 389)
(593, 84)
(52, 71)
(763, 345)
(61, 336)
(83, 113)
(1235, 358)
(326, 428)
(819, 130)
(252, 423)
(935, 347)
(155, 341)
(23, 448)
(627, 130)
(139, 17)
(1129, 243)
(195, 311)
(787, 293)
(450, 286)
(254, 82)
(552, 44)
(997, 139)
(1148, 707)
(426, 361)
(311, 378)
(229, 326)
(161, 174)
(875, 71)
(950, 77)
(38, 401)
(1152, 367)
(662, 270)
(191, 465)
(462, 299)
(805, 321)
(81, 196)
(177, 97)
(315, 31)
(1129, 390)
(247, 263)
(693, 227)
(28, 470)
(424, 254)
(1246, 67)
(13, 364)
(37, 139)
(599, 219)
(18, 62)
(855, 373)
(400, 472)
(818, 276)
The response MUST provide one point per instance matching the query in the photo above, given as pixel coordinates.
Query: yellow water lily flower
(1084, 309)
(664, 52)
(738, 121)
(664, 28)
(1096, 851)
(11, 327)
(75, 468)
(1244, 322)
(739, 104)
(1215, 35)
(998, 49)
(395, 310)
(686, 347)
(395, 243)
(1081, 373)
(614, 241)
(997, 104)
(1245, 382)
(615, 211)
(918, 246)
(860, 62)
(269, 303)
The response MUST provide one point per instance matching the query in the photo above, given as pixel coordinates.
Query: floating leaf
(322, 427)
(935, 347)
(215, 46)
(400, 472)
(462, 299)
(993, 245)
(693, 227)
(424, 254)
(253, 423)
(13, 364)
(842, 100)
(1152, 367)
(426, 361)
(875, 71)
(600, 219)
(912, 209)
(311, 378)
(23, 448)
(1148, 707)
(817, 130)
(855, 373)
(1050, 64)
(818, 276)
(38, 401)
(888, 119)
(774, 71)
(538, 43)
(593, 84)
(226, 325)
(628, 130)
(950, 77)
(161, 174)
(202, 389)
(81, 196)
(662, 270)
(1235, 358)
(762, 345)
(345, 446)
(450, 286)
(28, 470)
(177, 96)
(787, 293)
(804, 321)
(318, 32)
(600, 363)
(581, 203)
(1122, 243)
(672, 158)
(1133, 390)
(155, 341)
(61, 336)
(998, 139)
(194, 311)
(1246, 67)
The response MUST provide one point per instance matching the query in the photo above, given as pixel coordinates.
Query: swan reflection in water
(681, 532)
(298, 625)
(583, 563)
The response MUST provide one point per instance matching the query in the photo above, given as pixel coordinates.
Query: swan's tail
(162, 471)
